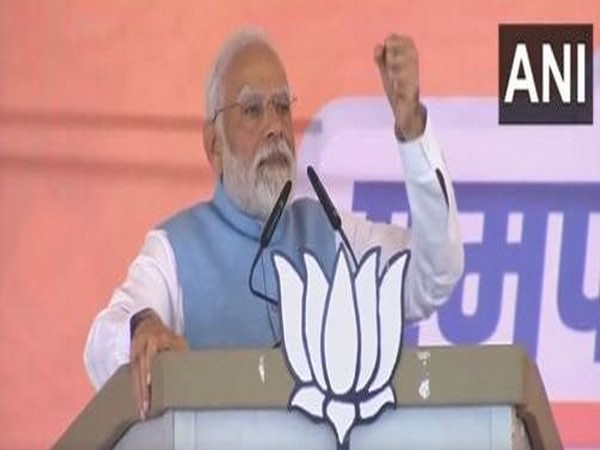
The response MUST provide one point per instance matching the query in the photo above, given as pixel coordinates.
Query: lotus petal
(341, 415)
(366, 299)
(291, 291)
(309, 399)
(341, 330)
(314, 301)
(390, 320)
(370, 407)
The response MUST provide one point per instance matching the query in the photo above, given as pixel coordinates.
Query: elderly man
(189, 285)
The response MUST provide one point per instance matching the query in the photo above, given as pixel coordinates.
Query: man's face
(256, 133)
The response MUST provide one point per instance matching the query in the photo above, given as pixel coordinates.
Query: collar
(233, 215)
(239, 219)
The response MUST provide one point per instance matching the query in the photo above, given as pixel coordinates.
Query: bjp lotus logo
(342, 336)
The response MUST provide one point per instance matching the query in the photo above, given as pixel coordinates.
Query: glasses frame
(293, 99)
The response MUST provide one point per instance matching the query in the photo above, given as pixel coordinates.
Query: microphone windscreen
(273, 219)
(324, 199)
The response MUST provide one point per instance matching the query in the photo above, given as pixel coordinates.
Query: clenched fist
(150, 337)
(398, 64)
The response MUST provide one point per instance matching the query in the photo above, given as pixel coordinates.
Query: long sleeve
(151, 282)
(434, 239)
(437, 256)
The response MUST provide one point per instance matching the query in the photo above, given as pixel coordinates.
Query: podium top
(246, 379)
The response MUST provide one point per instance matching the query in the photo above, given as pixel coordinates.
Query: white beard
(255, 187)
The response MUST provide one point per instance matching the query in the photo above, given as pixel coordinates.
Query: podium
(486, 397)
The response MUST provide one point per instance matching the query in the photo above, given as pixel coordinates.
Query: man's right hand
(150, 336)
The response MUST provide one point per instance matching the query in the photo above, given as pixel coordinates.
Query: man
(189, 285)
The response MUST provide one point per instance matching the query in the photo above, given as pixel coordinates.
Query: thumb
(379, 56)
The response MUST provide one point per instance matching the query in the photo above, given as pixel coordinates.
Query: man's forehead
(255, 67)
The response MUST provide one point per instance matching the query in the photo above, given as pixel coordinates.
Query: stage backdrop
(100, 139)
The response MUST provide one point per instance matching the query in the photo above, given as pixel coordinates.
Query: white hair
(214, 84)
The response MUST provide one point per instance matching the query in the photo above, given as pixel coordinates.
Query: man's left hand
(398, 64)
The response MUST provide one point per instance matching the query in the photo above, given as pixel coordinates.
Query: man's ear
(212, 147)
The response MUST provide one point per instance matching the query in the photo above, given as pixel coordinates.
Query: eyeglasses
(253, 107)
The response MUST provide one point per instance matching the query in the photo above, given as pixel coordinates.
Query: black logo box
(522, 110)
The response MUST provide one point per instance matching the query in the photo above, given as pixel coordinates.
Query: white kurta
(436, 264)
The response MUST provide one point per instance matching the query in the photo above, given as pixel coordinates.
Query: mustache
(274, 149)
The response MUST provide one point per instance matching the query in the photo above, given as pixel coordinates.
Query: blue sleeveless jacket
(214, 245)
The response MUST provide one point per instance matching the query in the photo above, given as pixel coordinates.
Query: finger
(151, 350)
(401, 50)
(142, 377)
(400, 60)
(397, 58)
(135, 383)
(171, 341)
(397, 66)
(180, 344)
(398, 41)
(136, 348)
(379, 55)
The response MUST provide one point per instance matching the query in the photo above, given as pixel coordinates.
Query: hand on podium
(149, 337)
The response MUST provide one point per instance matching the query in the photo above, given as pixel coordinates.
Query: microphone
(332, 214)
(275, 215)
(330, 211)
(267, 234)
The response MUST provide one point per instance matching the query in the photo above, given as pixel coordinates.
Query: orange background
(100, 138)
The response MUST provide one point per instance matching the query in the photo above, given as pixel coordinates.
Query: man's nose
(275, 123)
